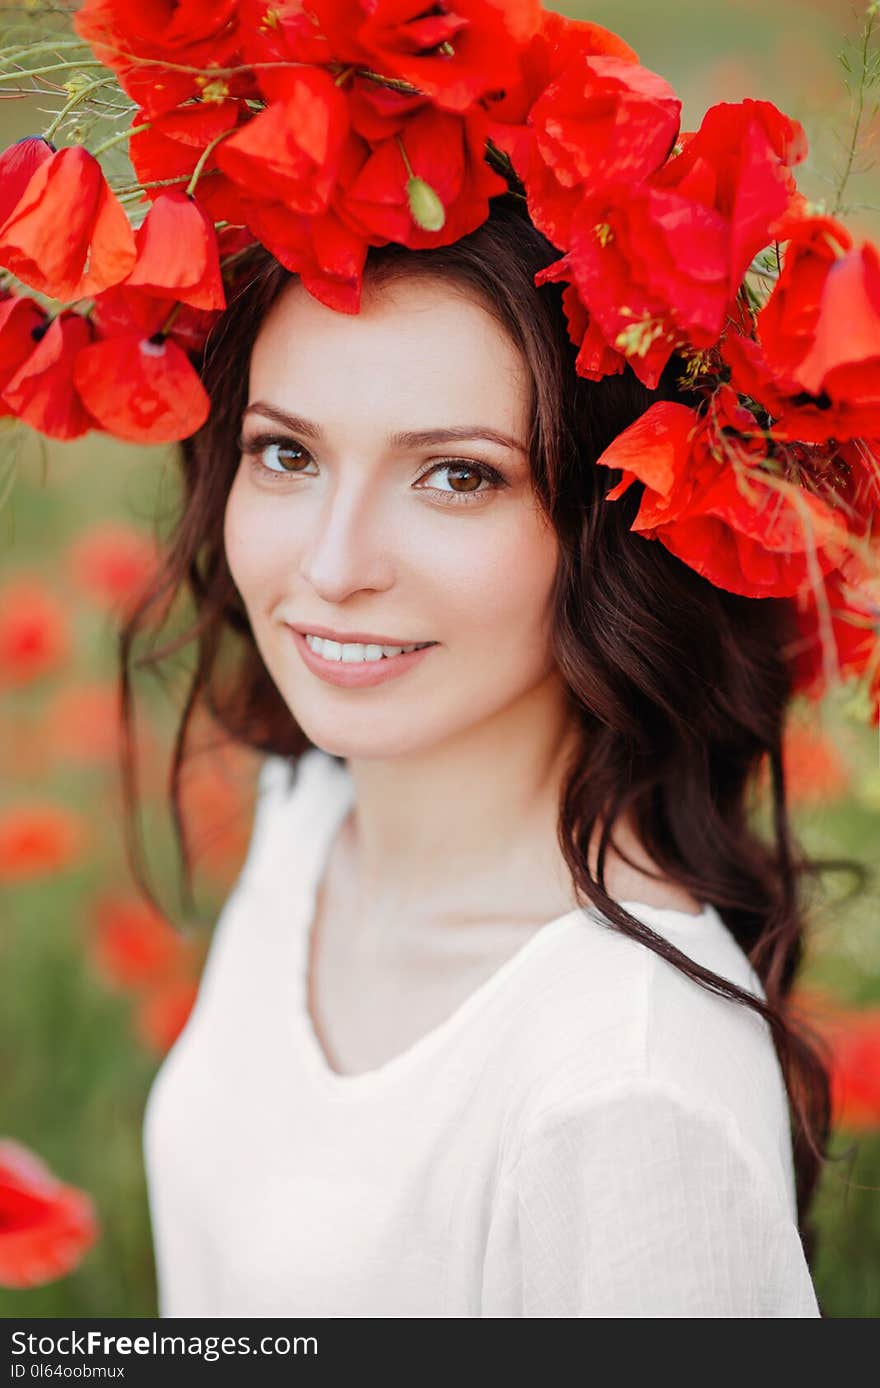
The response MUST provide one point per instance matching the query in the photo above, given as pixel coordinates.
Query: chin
(356, 748)
(366, 739)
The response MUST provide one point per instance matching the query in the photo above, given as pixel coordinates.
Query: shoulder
(612, 1019)
(637, 1201)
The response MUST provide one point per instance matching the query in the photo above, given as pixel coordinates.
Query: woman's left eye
(481, 471)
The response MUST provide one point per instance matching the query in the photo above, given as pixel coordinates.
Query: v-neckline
(329, 810)
(329, 794)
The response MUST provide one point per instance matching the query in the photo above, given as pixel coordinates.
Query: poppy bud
(427, 210)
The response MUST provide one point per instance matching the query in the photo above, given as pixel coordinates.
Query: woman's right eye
(267, 453)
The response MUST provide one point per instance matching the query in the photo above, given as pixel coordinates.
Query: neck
(468, 825)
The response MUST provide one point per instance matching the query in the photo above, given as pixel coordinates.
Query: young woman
(494, 1021)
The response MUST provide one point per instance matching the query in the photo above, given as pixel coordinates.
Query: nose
(350, 545)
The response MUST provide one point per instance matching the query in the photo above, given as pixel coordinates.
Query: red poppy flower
(291, 151)
(651, 268)
(37, 839)
(453, 53)
(81, 724)
(790, 318)
(326, 254)
(750, 147)
(42, 391)
(177, 253)
(142, 389)
(21, 322)
(730, 524)
(124, 310)
(275, 48)
(449, 175)
(174, 144)
(150, 47)
(112, 562)
(855, 1073)
(816, 382)
(660, 261)
(132, 945)
(34, 635)
(558, 41)
(852, 1035)
(68, 236)
(603, 118)
(163, 1011)
(816, 772)
(837, 635)
(17, 164)
(46, 1227)
(595, 358)
(839, 627)
(376, 112)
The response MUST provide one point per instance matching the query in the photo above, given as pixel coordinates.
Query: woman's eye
(273, 455)
(470, 475)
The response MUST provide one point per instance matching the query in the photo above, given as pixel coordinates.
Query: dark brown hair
(680, 688)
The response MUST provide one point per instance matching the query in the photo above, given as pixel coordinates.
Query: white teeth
(354, 652)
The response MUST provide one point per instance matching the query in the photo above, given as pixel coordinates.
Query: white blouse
(590, 1133)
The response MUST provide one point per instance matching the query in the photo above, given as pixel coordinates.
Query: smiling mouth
(359, 652)
(363, 665)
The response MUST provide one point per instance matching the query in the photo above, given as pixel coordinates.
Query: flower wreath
(317, 129)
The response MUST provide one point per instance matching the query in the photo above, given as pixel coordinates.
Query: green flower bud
(427, 210)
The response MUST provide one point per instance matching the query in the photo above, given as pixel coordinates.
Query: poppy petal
(141, 390)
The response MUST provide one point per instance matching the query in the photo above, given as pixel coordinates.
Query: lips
(357, 674)
(358, 638)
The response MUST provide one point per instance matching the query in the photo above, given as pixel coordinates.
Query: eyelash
(252, 448)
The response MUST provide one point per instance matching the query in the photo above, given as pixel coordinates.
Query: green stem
(396, 84)
(16, 51)
(55, 67)
(121, 135)
(73, 102)
(860, 109)
(405, 158)
(166, 326)
(203, 159)
(124, 194)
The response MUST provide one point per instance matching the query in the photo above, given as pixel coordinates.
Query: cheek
(251, 549)
(499, 584)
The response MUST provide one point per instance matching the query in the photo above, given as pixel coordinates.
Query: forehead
(419, 351)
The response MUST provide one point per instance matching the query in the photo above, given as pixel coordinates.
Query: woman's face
(344, 523)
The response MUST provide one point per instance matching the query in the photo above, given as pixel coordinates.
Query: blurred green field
(75, 1072)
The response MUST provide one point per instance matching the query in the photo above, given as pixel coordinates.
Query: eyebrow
(405, 438)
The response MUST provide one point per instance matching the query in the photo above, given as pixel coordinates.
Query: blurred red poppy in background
(46, 1227)
(162, 1013)
(853, 1035)
(34, 635)
(112, 562)
(38, 838)
(80, 723)
(132, 944)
